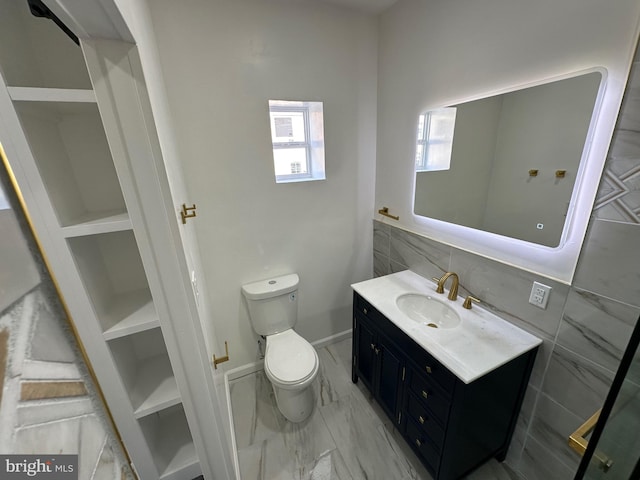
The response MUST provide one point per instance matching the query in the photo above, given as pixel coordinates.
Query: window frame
(422, 163)
(288, 145)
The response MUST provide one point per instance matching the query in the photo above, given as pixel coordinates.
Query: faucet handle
(467, 302)
(440, 287)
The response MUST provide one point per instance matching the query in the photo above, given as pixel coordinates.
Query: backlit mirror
(507, 164)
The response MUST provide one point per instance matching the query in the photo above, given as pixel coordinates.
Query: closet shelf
(183, 464)
(141, 315)
(97, 223)
(37, 94)
(171, 444)
(156, 388)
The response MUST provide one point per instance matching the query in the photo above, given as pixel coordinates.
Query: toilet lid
(289, 357)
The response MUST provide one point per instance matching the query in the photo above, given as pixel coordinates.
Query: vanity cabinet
(378, 363)
(451, 425)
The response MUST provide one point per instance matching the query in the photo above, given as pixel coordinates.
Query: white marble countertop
(481, 343)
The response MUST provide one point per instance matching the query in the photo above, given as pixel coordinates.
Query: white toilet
(290, 362)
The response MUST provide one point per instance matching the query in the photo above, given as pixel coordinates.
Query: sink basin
(428, 311)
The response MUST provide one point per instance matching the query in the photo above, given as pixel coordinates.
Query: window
(297, 136)
(435, 139)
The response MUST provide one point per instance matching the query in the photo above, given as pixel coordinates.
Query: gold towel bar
(385, 211)
(578, 441)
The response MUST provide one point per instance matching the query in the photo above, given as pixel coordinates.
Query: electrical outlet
(539, 295)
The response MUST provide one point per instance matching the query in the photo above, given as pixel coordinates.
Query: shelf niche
(35, 52)
(71, 151)
(112, 273)
(167, 434)
(143, 364)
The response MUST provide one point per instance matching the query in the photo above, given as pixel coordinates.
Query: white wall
(435, 53)
(222, 61)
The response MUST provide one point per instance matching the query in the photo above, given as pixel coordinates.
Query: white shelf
(183, 464)
(39, 94)
(69, 145)
(156, 388)
(113, 276)
(167, 433)
(143, 364)
(137, 314)
(97, 223)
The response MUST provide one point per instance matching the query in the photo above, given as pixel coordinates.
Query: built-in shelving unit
(93, 243)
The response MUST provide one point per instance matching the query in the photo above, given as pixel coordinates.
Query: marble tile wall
(586, 325)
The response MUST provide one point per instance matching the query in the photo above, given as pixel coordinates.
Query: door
(365, 353)
(388, 387)
(613, 451)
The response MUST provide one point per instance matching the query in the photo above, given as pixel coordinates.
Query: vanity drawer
(431, 396)
(364, 308)
(430, 367)
(422, 445)
(424, 418)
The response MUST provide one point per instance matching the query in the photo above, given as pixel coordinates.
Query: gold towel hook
(218, 360)
(187, 212)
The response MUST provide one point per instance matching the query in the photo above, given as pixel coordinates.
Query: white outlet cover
(539, 295)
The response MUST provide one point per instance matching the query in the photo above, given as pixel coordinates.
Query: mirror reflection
(506, 164)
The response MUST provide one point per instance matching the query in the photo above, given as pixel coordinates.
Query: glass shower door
(613, 451)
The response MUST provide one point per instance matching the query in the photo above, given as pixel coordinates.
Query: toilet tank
(273, 303)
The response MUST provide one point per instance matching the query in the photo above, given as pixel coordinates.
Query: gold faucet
(453, 292)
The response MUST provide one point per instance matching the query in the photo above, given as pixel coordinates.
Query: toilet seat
(290, 361)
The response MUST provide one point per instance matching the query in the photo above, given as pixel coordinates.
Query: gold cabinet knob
(425, 394)
(428, 369)
(421, 419)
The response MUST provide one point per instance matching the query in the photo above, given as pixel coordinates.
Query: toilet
(290, 362)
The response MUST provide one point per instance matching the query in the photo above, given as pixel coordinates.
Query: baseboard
(323, 342)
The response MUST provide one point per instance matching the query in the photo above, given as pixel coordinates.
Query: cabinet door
(389, 382)
(365, 353)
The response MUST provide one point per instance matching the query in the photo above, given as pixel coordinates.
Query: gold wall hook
(385, 211)
(533, 172)
(218, 360)
(187, 212)
(560, 173)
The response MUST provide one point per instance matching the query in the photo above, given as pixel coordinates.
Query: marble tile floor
(348, 437)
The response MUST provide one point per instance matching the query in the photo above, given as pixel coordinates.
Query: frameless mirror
(507, 164)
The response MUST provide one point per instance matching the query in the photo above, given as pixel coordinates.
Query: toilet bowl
(291, 363)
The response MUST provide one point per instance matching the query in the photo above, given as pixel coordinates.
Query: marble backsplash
(586, 325)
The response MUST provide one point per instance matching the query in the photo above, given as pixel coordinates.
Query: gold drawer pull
(421, 419)
(428, 369)
(418, 442)
(424, 394)
(373, 346)
(365, 311)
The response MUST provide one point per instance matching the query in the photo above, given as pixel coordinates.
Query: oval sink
(428, 311)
